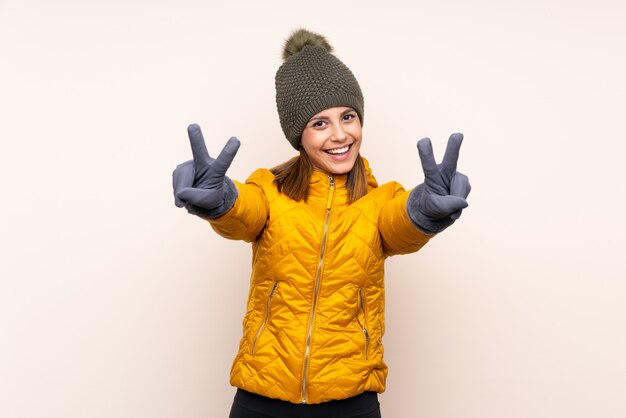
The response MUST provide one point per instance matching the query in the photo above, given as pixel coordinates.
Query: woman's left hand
(438, 202)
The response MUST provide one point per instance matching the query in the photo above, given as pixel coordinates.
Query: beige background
(114, 303)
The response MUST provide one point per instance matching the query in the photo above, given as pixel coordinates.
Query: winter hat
(310, 80)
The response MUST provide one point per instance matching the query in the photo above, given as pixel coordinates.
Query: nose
(339, 133)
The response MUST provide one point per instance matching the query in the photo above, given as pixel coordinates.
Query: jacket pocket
(265, 318)
(362, 313)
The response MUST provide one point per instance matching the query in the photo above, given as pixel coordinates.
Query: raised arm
(235, 210)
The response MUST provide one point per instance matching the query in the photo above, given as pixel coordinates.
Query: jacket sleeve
(247, 218)
(398, 233)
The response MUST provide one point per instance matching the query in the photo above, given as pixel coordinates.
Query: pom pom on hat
(301, 38)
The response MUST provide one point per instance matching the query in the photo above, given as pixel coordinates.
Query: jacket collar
(340, 179)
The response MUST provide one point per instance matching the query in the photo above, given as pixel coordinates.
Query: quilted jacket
(314, 323)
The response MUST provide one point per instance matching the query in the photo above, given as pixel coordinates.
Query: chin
(343, 169)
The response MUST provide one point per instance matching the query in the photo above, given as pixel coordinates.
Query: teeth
(338, 150)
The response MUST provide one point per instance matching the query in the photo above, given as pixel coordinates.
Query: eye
(318, 124)
(349, 116)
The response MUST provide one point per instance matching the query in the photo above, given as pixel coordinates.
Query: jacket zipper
(307, 351)
(267, 315)
(364, 325)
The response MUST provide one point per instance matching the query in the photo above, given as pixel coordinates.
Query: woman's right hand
(202, 182)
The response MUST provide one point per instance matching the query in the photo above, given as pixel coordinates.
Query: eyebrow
(345, 112)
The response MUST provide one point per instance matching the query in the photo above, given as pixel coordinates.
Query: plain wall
(115, 303)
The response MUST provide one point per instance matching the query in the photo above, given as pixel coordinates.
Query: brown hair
(292, 178)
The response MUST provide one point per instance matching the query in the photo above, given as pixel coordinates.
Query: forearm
(398, 232)
(246, 217)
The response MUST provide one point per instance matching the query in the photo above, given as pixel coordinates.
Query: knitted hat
(310, 80)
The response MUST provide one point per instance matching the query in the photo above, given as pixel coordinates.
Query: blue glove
(435, 204)
(201, 185)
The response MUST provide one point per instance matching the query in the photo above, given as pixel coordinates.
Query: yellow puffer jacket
(315, 314)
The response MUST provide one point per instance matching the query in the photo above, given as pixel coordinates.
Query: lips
(338, 151)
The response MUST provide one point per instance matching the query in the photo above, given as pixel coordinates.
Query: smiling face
(332, 139)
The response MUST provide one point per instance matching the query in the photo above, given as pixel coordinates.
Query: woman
(320, 228)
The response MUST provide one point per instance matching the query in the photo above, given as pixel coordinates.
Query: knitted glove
(201, 185)
(435, 204)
